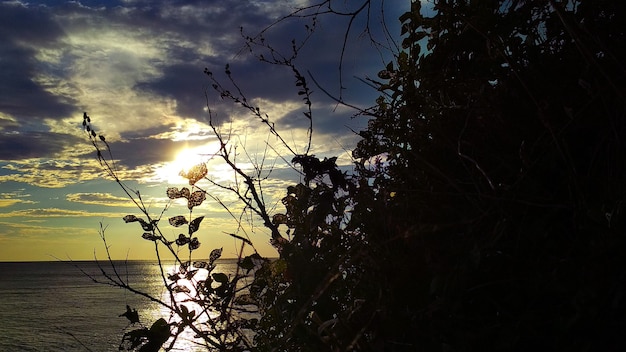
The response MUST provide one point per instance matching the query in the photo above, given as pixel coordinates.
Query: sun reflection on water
(186, 340)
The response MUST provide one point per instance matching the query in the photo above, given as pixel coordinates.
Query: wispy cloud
(50, 173)
(105, 199)
(19, 196)
(56, 213)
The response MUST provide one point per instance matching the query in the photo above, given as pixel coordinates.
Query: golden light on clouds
(51, 173)
(4, 202)
(105, 199)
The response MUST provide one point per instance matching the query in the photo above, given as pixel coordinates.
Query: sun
(186, 158)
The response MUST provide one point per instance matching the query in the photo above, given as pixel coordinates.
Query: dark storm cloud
(28, 24)
(21, 31)
(216, 25)
(184, 82)
(26, 145)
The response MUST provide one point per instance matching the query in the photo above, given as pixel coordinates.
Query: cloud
(28, 230)
(7, 121)
(56, 213)
(16, 145)
(26, 31)
(105, 199)
(8, 199)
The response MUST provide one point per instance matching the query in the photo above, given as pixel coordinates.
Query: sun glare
(185, 159)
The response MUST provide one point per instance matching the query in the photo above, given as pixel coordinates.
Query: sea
(56, 306)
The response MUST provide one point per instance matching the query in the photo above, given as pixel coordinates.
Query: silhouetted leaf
(195, 224)
(146, 226)
(246, 264)
(241, 238)
(174, 193)
(178, 220)
(131, 315)
(182, 240)
(196, 198)
(252, 261)
(158, 334)
(194, 244)
(215, 255)
(130, 218)
(150, 236)
(220, 277)
(201, 264)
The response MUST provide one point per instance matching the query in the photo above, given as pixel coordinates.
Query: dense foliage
(486, 210)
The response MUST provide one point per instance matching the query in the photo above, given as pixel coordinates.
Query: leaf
(178, 220)
(146, 226)
(201, 264)
(196, 198)
(150, 236)
(215, 255)
(195, 173)
(220, 277)
(130, 218)
(252, 261)
(174, 193)
(405, 16)
(194, 244)
(159, 332)
(131, 315)
(384, 74)
(195, 224)
(246, 264)
(182, 240)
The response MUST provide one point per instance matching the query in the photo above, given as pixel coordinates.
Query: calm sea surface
(53, 306)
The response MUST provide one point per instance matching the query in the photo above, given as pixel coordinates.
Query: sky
(136, 67)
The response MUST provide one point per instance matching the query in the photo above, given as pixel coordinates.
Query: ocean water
(53, 306)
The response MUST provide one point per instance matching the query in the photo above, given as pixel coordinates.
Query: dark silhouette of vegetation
(485, 212)
(498, 189)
